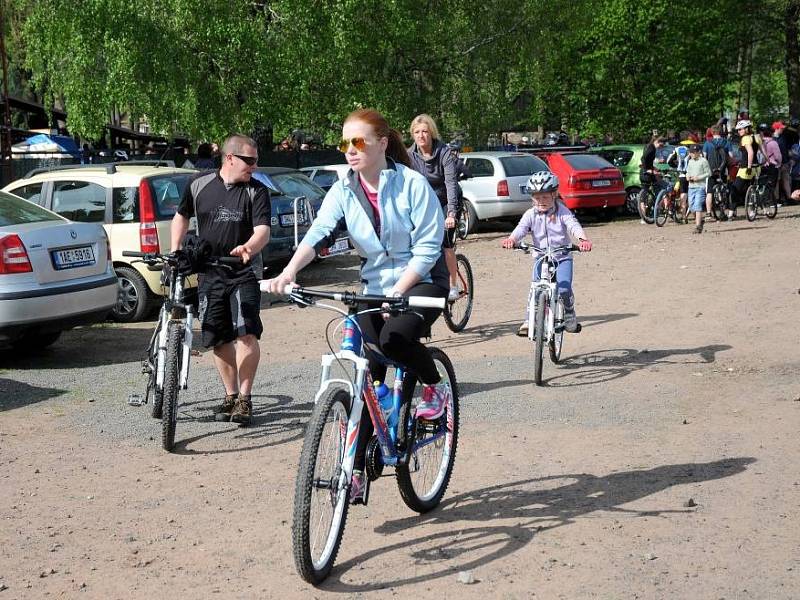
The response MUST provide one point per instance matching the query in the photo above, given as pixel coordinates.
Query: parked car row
(135, 203)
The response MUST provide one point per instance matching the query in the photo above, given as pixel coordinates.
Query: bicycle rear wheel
(661, 210)
(321, 498)
(169, 416)
(458, 311)
(557, 340)
(720, 201)
(750, 203)
(538, 344)
(424, 480)
(646, 201)
(770, 203)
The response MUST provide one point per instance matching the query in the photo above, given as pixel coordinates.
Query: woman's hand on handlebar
(278, 284)
(508, 243)
(449, 222)
(585, 245)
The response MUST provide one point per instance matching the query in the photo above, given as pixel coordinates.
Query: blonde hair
(427, 120)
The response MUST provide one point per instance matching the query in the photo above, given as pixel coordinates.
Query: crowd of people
(735, 158)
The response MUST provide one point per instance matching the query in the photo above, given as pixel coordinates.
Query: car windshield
(618, 158)
(15, 211)
(585, 162)
(296, 184)
(515, 166)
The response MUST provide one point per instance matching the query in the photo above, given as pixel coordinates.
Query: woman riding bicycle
(396, 225)
(648, 173)
(551, 224)
(431, 157)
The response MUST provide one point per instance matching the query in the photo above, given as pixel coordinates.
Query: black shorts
(684, 185)
(228, 310)
(450, 235)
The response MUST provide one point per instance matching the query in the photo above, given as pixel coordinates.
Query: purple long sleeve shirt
(550, 229)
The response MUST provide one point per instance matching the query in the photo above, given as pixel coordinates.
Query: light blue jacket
(411, 232)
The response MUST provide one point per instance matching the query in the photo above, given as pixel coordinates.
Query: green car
(627, 157)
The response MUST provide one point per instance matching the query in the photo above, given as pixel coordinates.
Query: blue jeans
(563, 283)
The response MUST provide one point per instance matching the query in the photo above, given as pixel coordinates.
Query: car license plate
(340, 247)
(72, 257)
(601, 182)
(287, 220)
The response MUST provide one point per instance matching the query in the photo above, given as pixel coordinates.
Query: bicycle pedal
(195, 353)
(135, 400)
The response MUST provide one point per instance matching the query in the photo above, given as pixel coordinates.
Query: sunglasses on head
(248, 160)
(359, 143)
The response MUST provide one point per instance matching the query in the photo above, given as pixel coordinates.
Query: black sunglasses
(248, 160)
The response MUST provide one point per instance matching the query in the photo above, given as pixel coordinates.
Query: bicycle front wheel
(557, 340)
(539, 332)
(153, 392)
(750, 203)
(424, 480)
(661, 210)
(458, 311)
(646, 201)
(321, 497)
(169, 415)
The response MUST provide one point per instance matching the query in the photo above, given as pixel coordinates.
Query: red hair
(396, 150)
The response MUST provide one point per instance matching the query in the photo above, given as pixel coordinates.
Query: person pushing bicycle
(396, 225)
(233, 216)
(551, 224)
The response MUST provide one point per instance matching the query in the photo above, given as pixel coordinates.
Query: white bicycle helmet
(542, 181)
(743, 124)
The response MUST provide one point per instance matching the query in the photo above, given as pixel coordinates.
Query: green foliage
(625, 66)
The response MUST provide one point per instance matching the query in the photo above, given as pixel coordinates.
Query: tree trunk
(792, 18)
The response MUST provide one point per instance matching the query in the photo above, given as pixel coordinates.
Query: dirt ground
(660, 460)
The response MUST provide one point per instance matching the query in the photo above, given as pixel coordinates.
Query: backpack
(717, 158)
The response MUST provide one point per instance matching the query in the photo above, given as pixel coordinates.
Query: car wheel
(33, 341)
(132, 297)
(632, 200)
(470, 218)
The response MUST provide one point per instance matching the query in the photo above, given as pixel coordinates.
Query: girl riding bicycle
(550, 224)
(396, 225)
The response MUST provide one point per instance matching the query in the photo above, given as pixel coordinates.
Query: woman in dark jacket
(431, 157)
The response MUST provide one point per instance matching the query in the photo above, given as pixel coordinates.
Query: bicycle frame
(546, 284)
(352, 351)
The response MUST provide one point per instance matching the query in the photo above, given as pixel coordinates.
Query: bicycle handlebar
(351, 298)
(233, 261)
(557, 250)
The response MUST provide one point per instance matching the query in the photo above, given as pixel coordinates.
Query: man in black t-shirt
(233, 216)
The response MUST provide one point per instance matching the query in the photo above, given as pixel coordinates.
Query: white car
(54, 274)
(496, 188)
(326, 175)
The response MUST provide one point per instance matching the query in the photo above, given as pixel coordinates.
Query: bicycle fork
(187, 350)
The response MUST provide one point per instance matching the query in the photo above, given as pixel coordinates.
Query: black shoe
(571, 324)
(224, 410)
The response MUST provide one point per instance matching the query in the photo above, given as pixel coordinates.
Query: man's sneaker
(242, 411)
(434, 399)
(571, 321)
(224, 410)
(358, 487)
(523, 329)
(454, 294)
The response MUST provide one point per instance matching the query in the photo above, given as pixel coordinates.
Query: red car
(587, 181)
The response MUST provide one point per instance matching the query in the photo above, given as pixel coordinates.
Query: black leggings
(398, 339)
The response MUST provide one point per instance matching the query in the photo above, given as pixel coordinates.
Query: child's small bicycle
(546, 308)
(422, 452)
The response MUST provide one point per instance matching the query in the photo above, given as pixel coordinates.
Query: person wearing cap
(717, 152)
(697, 173)
(784, 171)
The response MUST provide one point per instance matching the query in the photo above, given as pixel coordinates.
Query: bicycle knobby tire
(538, 344)
(169, 416)
(308, 488)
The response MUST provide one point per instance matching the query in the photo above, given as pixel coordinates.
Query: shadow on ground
(510, 515)
(16, 394)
